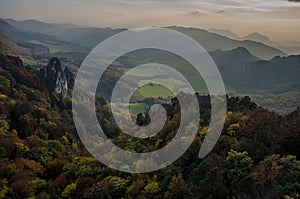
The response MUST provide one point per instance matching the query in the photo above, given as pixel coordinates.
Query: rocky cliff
(58, 80)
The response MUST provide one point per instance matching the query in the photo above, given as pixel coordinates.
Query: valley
(43, 156)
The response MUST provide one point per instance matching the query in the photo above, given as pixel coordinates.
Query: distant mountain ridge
(257, 37)
(213, 41)
(38, 26)
(89, 37)
(291, 48)
(224, 32)
(84, 36)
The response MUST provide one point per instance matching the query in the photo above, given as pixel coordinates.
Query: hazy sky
(279, 19)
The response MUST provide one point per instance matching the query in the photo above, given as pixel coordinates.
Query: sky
(278, 19)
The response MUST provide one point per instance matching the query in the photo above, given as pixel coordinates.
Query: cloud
(206, 6)
(218, 11)
(195, 13)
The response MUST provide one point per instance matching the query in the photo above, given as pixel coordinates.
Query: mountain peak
(224, 32)
(257, 37)
(241, 50)
(239, 56)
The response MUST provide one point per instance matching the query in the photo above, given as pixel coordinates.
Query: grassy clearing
(155, 91)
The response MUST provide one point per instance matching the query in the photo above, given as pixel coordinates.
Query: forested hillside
(257, 155)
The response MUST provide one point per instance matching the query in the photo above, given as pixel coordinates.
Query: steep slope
(50, 41)
(281, 74)
(232, 64)
(237, 56)
(14, 47)
(40, 27)
(9, 46)
(30, 53)
(246, 73)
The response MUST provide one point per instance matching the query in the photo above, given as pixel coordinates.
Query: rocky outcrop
(57, 78)
(70, 77)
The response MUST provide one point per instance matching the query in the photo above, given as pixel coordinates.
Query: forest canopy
(41, 156)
